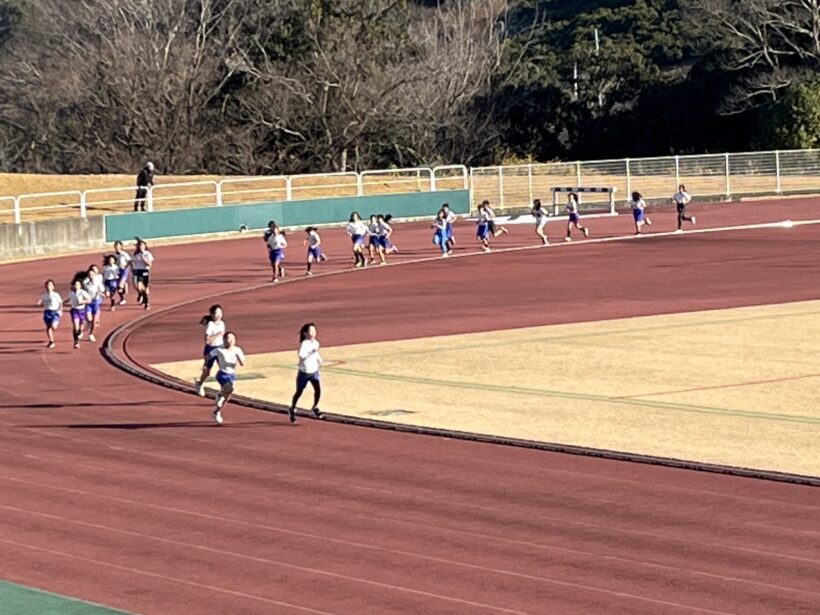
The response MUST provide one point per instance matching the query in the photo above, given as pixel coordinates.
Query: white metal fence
(709, 176)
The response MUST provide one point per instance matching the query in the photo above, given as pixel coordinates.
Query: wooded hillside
(296, 86)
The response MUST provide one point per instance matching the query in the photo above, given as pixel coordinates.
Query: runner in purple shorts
(314, 251)
(52, 304)
(574, 216)
(78, 300)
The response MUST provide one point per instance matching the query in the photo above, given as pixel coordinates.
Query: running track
(123, 493)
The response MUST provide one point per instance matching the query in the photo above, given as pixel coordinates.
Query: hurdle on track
(611, 190)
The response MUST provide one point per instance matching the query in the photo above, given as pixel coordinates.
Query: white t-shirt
(356, 228)
(682, 198)
(123, 259)
(216, 330)
(539, 214)
(52, 301)
(94, 286)
(314, 239)
(450, 217)
(384, 229)
(277, 242)
(484, 216)
(309, 359)
(111, 272)
(228, 358)
(639, 204)
(143, 260)
(572, 207)
(79, 298)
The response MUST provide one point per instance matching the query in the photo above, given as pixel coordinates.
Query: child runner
(450, 217)
(496, 231)
(638, 215)
(574, 216)
(539, 212)
(373, 238)
(124, 263)
(384, 243)
(214, 339)
(95, 287)
(52, 304)
(681, 199)
(482, 231)
(111, 279)
(276, 253)
(309, 362)
(357, 229)
(78, 300)
(142, 262)
(228, 357)
(314, 251)
(389, 246)
(440, 234)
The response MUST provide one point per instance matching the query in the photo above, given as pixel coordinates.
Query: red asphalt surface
(123, 493)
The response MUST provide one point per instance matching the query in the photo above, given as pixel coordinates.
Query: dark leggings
(682, 216)
(300, 388)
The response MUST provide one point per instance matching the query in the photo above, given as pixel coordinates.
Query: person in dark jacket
(145, 179)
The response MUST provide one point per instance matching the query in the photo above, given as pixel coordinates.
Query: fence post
(529, 183)
(677, 172)
(219, 193)
(288, 188)
(578, 174)
(728, 183)
(149, 199)
(501, 187)
(432, 180)
(628, 179)
(17, 210)
(777, 169)
(471, 187)
(83, 205)
(359, 185)
(418, 180)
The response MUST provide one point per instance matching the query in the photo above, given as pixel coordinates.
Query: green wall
(203, 220)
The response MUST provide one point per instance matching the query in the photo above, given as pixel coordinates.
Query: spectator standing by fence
(145, 180)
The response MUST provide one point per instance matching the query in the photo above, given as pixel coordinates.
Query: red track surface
(123, 493)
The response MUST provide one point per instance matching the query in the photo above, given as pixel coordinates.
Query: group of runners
(371, 242)
(90, 288)
(222, 350)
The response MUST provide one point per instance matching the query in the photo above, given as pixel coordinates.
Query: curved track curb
(114, 351)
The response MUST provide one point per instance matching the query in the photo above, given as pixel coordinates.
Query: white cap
(149, 165)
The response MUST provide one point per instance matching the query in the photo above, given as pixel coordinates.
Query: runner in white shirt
(496, 231)
(141, 265)
(228, 357)
(78, 300)
(276, 253)
(214, 339)
(373, 238)
(450, 218)
(440, 233)
(357, 229)
(111, 279)
(95, 287)
(124, 263)
(314, 251)
(483, 222)
(309, 362)
(681, 199)
(52, 304)
(539, 212)
(574, 214)
(638, 215)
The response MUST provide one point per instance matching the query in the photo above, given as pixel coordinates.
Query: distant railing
(235, 191)
(710, 176)
(707, 176)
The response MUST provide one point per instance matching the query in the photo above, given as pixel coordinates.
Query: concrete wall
(49, 236)
(182, 222)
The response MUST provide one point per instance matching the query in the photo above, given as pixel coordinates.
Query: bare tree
(767, 44)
